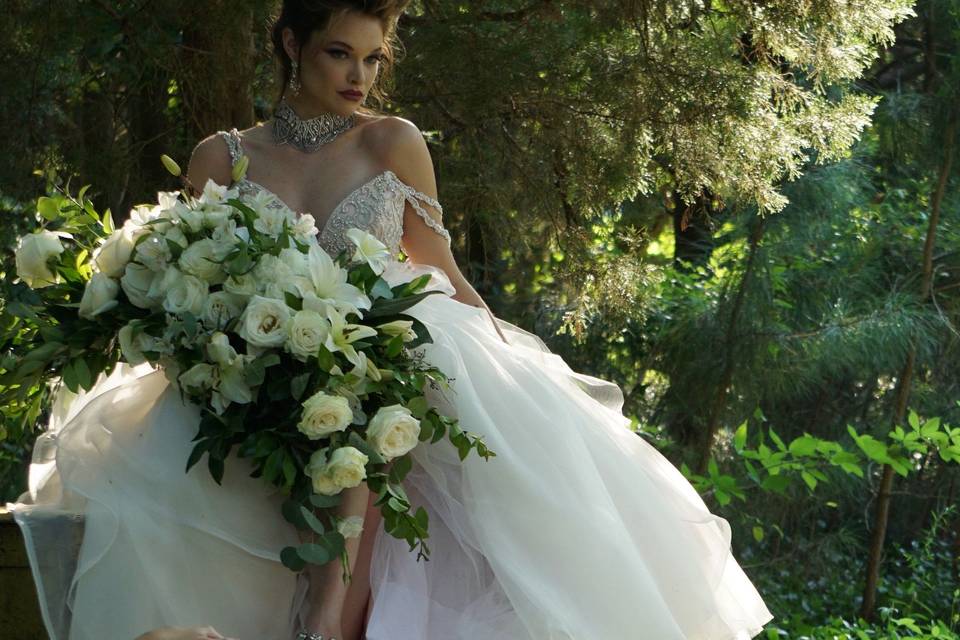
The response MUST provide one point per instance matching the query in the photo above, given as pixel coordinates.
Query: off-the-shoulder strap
(232, 138)
(414, 197)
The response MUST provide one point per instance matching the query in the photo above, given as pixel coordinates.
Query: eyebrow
(344, 44)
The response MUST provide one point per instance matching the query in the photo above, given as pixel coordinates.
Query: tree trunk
(729, 351)
(882, 513)
(217, 65)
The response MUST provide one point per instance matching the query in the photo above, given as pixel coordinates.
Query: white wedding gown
(578, 529)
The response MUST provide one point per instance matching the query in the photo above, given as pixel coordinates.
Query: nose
(356, 75)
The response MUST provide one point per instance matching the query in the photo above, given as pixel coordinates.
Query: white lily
(330, 283)
(343, 334)
(230, 384)
(369, 249)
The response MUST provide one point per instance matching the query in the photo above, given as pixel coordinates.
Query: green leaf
(82, 371)
(776, 439)
(809, 479)
(392, 307)
(312, 520)
(272, 467)
(298, 384)
(197, 453)
(381, 289)
(324, 502)
(48, 208)
(758, 533)
(422, 518)
(777, 484)
(397, 505)
(333, 541)
(325, 359)
(313, 553)
(291, 511)
(364, 447)
(289, 471)
(69, 377)
(874, 449)
(804, 445)
(418, 406)
(914, 419)
(291, 559)
(740, 436)
(930, 427)
(293, 301)
(215, 465)
(107, 221)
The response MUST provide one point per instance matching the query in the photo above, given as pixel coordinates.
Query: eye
(375, 58)
(337, 53)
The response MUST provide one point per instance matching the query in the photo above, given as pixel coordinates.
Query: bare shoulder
(398, 145)
(210, 160)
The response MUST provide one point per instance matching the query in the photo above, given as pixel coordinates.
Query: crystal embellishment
(311, 134)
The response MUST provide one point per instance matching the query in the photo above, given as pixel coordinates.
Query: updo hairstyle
(304, 17)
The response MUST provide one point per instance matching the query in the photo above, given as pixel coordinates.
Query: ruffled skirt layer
(578, 529)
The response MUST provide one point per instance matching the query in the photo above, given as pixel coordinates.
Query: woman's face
(338, 66)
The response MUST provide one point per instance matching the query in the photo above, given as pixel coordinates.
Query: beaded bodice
(376, 206)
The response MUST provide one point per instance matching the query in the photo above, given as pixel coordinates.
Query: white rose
(347, 467)
(99, 295)
(220, 308)
(324, 414)
(351, 526)
(243, 285)
(112, 256)
(308, 330)
(305, 228)
(141, 286)
(154, 252)
(201, 259)
(33, 253)
(393, 431)
(271, 270)
(369, 249)
(183, 293)
(399, 328)
(199, 378)
(265, 321)
(316, 470)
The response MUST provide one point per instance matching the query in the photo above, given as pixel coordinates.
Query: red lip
(356, 95)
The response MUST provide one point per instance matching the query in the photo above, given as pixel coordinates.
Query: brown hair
(306, 16)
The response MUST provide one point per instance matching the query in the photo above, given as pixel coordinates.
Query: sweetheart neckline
(336, 209)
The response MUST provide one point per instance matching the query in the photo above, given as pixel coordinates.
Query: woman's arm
(404, 148)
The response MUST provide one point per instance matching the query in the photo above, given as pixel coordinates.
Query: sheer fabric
(577, 530)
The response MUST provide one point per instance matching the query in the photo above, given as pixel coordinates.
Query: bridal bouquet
(303, 363)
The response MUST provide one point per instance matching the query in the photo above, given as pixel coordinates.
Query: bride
(578, 529)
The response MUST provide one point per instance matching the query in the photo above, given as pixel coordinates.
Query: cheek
(325, 68)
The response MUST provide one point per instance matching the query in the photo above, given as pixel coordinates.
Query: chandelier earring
(294, 80)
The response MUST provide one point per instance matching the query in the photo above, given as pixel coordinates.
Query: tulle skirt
(578, 529)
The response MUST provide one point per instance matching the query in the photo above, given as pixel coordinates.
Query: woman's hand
(183, 633)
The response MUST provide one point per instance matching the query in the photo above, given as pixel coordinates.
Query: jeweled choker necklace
(307, 135)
